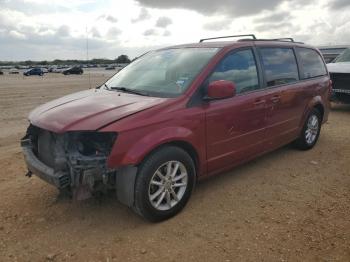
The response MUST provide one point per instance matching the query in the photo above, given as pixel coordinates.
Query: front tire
(164, 183)
(310, 132)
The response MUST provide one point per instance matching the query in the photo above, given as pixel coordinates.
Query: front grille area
(341, 81)
(46, 148)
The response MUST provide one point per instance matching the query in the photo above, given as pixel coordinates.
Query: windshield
(163, 73)
(343, 57)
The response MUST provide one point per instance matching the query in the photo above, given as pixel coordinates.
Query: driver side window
(240, 68)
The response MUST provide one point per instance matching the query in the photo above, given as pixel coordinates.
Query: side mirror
(221, 89)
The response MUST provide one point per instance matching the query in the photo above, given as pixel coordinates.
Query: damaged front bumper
(35, 166)
(75, 160)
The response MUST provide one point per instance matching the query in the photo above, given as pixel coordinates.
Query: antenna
(87, 55)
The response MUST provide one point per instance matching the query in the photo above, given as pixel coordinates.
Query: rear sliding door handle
(275, 99)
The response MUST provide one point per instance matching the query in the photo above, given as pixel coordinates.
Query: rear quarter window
(311, 63)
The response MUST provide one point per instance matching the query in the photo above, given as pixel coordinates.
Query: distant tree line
(122, 59)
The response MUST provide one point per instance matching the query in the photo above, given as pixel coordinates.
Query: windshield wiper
(105, 85)
(128, 90)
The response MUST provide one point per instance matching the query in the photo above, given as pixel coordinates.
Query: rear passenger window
(280, 66)
(240, 68)
(311, 63)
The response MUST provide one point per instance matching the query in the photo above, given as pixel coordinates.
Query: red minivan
(179, 114)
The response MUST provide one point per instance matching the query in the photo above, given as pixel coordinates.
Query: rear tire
(310, 132)
(164, 183)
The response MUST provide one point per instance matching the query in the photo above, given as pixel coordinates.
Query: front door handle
(259, 102)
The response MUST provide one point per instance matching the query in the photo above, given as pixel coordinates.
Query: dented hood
(89, 110)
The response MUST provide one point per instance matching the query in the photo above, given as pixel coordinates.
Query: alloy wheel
(168, 185)
(312, 129)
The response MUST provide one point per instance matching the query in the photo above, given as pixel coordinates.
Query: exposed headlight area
(92, 143)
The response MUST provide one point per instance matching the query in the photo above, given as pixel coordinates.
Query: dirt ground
(285, 206)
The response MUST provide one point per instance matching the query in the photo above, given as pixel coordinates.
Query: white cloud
(163, 22)
(217, 24)
(111, 19)
(63, 31)
(150, 32)
(95, 33)
(17, 35)
(113, 33)
(143, 15)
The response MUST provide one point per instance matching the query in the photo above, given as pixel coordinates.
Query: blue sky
(41, 29)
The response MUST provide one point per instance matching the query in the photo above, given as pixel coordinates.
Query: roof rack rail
(284, 39)
(220, 37)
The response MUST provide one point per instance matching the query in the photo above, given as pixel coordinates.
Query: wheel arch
(185, 145)
(320, 109)
(131, 148)
(317, 103)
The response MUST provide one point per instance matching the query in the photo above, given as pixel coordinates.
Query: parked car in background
(55, 69)
(34, 71)
(339, 71)
(22, 67)
(110, 67)
(177, 115)
(73, 70)
(13, 71)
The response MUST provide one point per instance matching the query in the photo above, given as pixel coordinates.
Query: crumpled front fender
(131, 150)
